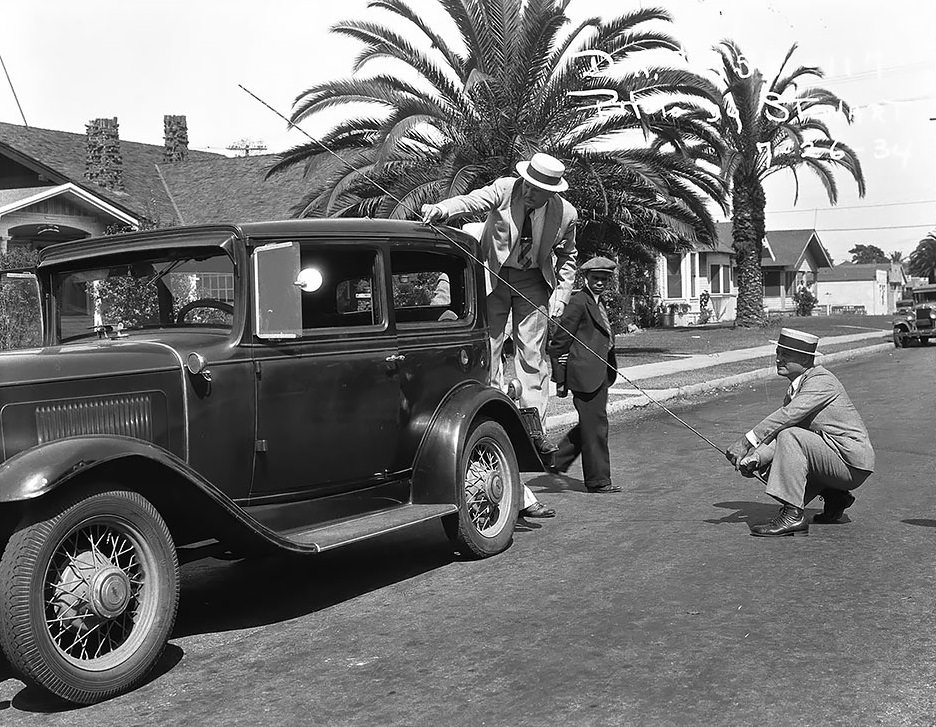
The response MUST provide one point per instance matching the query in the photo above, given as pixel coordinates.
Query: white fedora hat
(545, 172)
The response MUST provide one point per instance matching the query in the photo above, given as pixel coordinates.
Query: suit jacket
(553, 228)
(584, 371)
(822, 406)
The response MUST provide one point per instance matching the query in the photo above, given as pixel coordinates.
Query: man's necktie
(525, 251)
(790, 392)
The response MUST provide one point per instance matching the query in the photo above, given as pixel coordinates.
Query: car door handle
(395, 358)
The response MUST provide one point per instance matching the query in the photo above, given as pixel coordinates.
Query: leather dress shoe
(537, 509)
(790, 520)
(836, 502)
(605, 488)
(544, 446)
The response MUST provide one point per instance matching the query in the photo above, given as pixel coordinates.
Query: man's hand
(749, 464)
(736, 451)
(433, 213)
(555, 308)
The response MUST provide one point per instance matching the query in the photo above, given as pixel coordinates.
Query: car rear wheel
(90, 593)
(488, 492)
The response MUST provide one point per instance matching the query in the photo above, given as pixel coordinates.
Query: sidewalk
(712, 372)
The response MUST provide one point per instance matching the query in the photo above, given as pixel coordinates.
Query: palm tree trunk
(747, 220)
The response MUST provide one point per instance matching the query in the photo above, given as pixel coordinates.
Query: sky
(71, 61)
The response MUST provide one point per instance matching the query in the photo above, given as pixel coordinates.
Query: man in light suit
(528, 240)
(815, 444)
(583, 331)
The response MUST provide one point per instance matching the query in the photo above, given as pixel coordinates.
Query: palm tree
(923, 258)
(511, 83)
(897, 257)
(766, 129)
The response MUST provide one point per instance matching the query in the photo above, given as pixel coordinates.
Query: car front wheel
(900, 338)
(89, 596)
(488, 492)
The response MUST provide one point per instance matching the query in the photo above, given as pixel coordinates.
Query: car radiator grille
(923, 318)
(131, 416)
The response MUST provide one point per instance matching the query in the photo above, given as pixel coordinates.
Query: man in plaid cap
(583, 361)
(815, 444)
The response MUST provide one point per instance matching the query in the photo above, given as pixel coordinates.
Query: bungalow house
(683, 277)
(872, 288)
(57, 186)
(790, 261)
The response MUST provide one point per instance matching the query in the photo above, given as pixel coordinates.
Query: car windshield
(188, 287)
(927, 296)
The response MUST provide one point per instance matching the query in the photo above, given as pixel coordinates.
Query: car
(232, 391)
(916, 321)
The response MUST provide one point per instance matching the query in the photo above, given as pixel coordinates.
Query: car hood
(92, 359)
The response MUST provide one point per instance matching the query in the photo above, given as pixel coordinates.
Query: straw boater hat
(794, 340)
(545, 172)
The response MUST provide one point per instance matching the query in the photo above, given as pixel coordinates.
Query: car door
(441, 340)
(327, 389)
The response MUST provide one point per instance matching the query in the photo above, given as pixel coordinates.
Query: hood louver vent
(130, 416)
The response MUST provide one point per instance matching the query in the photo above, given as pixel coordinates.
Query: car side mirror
(277, 302)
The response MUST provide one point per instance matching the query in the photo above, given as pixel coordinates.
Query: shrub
(20, 317)
(805, 302)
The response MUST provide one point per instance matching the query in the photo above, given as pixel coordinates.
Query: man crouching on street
(815, 444)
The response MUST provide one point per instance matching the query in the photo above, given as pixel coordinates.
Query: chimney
(175, 133)
(103, 164)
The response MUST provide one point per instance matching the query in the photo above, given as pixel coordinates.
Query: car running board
(349, 531)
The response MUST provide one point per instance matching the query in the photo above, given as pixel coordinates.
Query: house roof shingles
(850, 272)
(225, 189)
(789, 247)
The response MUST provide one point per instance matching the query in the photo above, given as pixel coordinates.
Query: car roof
(200, 235)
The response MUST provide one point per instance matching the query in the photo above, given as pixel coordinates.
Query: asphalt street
(651, 607)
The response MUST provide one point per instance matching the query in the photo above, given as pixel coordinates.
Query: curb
(703, 387)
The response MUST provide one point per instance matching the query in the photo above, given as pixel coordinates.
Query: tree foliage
(462, 112)
(769, 127)
(923, 258)
(862, 254)
(20, 314)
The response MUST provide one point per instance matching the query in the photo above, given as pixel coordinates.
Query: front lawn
(658, 344)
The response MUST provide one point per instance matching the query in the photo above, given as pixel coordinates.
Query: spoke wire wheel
(487, 500)
(99, 597)
(90, 595)
(488, 492)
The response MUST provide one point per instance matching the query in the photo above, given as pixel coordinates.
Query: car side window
(339, 287)
(429, 288)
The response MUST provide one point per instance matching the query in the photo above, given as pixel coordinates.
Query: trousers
(802, 465)
(530, 324)
(589, 438)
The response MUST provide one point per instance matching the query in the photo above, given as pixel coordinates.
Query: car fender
(40, 470)
(435, 471)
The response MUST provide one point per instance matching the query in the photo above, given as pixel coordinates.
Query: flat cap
(599, 263)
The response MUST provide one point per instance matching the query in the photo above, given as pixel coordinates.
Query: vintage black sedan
(236, 390)
(915, 321)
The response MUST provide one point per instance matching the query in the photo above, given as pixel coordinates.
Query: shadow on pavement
(749, 513)
(32, 699)
(921, 522)
(555, 483)
(223, 596)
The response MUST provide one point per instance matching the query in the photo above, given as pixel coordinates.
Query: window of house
(715, 278)
(342, 289)
(429, 288)
(726, 278)
(773, 283)
(674, 288)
